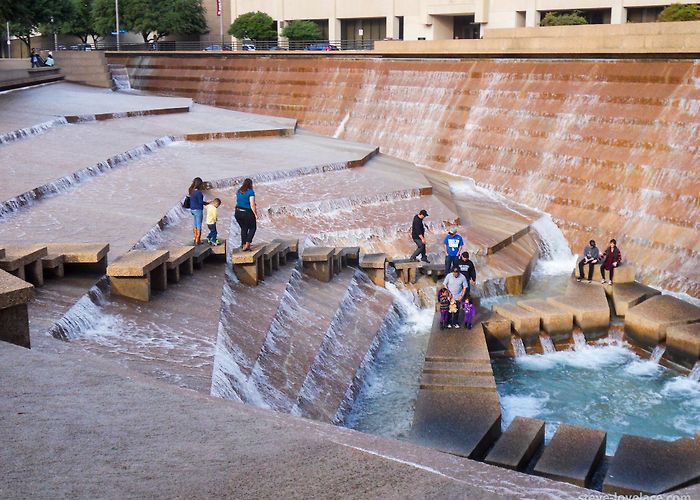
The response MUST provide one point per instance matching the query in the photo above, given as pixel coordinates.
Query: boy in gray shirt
(457, 284)
(591, 254)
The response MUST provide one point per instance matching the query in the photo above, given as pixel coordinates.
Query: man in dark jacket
(610, 260)
(418, 235)
(590, 257)
(466, 267)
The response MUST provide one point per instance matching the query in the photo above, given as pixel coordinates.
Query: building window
(592, 16)
(361, 33)
(465, 27)
(520, 18)
(643, 14)
(400, 18)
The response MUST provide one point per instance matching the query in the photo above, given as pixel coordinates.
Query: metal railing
(240, 45)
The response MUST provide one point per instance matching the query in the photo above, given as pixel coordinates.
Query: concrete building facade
(433, 19)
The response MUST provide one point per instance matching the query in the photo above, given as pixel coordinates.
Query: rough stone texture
(588, 305)
(626, 295)
(318, 262)
(572, 455)
(373, 261)
(515, 448)
(240, 257)
(14, 325)
(20, 256)
(647, 322)
(407, 269)
(555, 319)
(54, 264)
(59, 439)
(132, 287)
(643, 466)
(498, 332)
(201, 253)
(137, 263)
(14, 291)
(458, 382)
(219, 249)
(352, 255)
(525, 322)
(683, 344)
(80, 253)
(178, 255)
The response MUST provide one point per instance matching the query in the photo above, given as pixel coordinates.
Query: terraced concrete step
(572, 455)
(648, 321)
(683, 344)
(525, 322)
(626, 295)
(451, 382)
(295, 338)
(644, 466)
(555, 320)
(458, 368)
(587, 303)
(328, 390)
(516, 447)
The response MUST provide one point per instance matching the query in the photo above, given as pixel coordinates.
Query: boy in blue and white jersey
(453, 248)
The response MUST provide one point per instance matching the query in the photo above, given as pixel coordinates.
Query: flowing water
(695, 372)
(518, 347)
(656, 354)
(604, 386)
(547, 344)
(579, 341)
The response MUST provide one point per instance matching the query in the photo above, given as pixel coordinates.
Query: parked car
(81, 46)
(325, 47)
(218, 47)
(247, 44)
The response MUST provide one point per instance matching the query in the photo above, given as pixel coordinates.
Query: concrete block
(407, 269)
(461, 423)
(201, 253)
(352, 256)
(318, 262)
(516, 447)
(132, 287)
(498, 331)
(137, 263)
(458, 382)
(14, 320)
(25, 262)
(220, 249)
(643, 466)
(373, 265)
(554, 319)
(54, 265)
(647, 323)
(572, 455)
(526, 323)
(683, 344)
(625, 273)
(588, 304)
(80, 253)
(292, 246)
(626, 295)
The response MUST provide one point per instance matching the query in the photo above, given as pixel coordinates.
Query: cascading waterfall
(657, 353)
(547, 344)
(24, 133)
(695, 372)
(518, 347)
(616, 335)
(579, 341)
(555, 254)
(84, 315)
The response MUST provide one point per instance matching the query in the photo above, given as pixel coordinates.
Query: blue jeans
(212, 232)
(197, 215)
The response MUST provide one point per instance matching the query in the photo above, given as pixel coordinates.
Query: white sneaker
(449, 326)
(456, 326)
(602, 282)
(610, 282)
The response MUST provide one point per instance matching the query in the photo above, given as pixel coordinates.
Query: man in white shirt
(457, 284)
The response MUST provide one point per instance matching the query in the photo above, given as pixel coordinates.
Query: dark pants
(420, 250)
(590, 269)
(213, 234)
(246, 219)
(451, 262)
(602, 272)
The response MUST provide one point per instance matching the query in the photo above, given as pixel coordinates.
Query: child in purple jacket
(469, 312)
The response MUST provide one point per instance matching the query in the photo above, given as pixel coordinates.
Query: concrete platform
(555, 320)
(626, 295)
(373, 264)
(498, 331)
(318, 262)
(54, 264)
(60, 439)
(647, 322)
(407, 269)
(525, 322)
(572, 455)
(683, 344)
(587, 303)
(516, 447)
(180, 261)
(25, 262)
(459, 345)
(643, 466)
(14, 320)
(458, 382)
(625, 273)
(249, 267)
(137, 272)
(461, 423)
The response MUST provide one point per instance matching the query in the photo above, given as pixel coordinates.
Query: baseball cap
(453, 230)
(423, 212)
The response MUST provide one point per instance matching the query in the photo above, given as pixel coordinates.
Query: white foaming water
(659, 351)
(32, 131)
(518, 347)
(579, 341)
(643, 368)
(468, 187)
(547, 344)
(592, 357)
(341, 126)
(533, 406)
(555, 254)
(86, 315)
(695, 372)
(389, 385)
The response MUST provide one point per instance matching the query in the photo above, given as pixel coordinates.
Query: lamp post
(55, 35)
(9, 43)
(220, 13)
(116, 15)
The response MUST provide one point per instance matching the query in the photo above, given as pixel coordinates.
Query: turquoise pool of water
(606, 386)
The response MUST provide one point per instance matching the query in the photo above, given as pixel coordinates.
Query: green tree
(568, 19)
(302, 30)
(680, 12)
(253, 25)
(187, 17)
(103, 17)
(81, 22)
(27, 19)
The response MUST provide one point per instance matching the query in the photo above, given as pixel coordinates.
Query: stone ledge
(647, 322)
(178, 255)
(526, 323)
(555, 319)
(18, 256)
(626, 295)
(317, 254)
(80, 253)
(240, 257)
(373, 261)
(14, 291)
(516, 447)
(137, 263)
(683, 344)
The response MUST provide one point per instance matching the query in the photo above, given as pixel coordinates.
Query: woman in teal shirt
(246, 213)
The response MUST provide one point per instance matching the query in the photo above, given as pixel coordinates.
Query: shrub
(302, 30)
(569, 19)
(680, 12)
(253, 25)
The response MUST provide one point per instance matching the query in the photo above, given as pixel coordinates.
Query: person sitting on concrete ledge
(418, 235)
(590, 257)
(610, 260)
(49, 60)
(456, 283)
(466, 267)
(453, 248)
